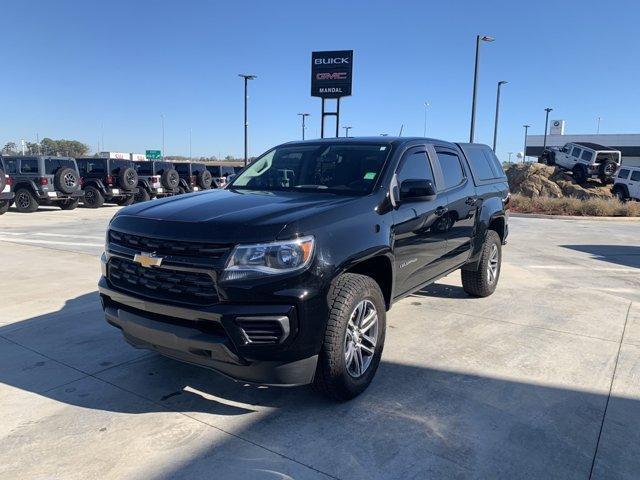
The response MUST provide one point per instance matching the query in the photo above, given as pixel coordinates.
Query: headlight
(263, 259)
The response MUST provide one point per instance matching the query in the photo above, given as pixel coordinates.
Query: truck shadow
(627, 255)
(413, 421)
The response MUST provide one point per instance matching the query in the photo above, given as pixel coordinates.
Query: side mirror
(417, 190)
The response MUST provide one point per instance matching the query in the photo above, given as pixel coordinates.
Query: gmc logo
(331, 76)
(331, 61)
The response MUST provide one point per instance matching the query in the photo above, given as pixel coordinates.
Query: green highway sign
(153, 154)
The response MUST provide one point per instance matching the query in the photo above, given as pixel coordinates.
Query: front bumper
(210, 336)
(7, 196)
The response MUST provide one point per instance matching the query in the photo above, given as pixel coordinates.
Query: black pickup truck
(285, 276)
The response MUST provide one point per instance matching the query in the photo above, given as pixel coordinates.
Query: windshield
(347, 168)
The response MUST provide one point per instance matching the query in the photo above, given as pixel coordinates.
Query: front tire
(25, 201)
(70, 204)
(354, 337)
(92, 198)
(483, 281)
(142, 195)
(579, 174)
(126, 201)
(620, 193)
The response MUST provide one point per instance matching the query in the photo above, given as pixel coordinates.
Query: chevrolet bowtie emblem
(147, 259)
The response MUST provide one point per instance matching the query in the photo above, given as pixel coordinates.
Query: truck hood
(224, 216)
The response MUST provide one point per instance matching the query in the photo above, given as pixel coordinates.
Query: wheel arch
(380, 268)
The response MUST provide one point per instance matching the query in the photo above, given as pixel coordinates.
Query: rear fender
(491, 216)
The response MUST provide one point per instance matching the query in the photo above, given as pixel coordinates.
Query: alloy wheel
(361, 338)
(493, 265)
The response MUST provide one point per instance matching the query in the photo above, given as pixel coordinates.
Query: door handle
(471, 201)
(441, 211)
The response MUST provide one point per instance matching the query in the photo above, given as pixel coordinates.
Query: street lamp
(162, 121)
(303, 116)
(484, 38)
(546, 124)
(424, 131)
(495, 126)
(510, 153)
(524, 152)
(346, 131)
(246, 124)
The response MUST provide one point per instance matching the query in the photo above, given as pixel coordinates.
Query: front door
(634, 184)
(418, 246)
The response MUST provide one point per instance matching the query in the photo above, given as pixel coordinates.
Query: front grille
(162, 283)
(168, 247)
(264, 332)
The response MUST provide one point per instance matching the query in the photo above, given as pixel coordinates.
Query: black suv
(6, 195)
(285, 276)
(193, 177)
(110, 180)
(156, 178)
(44, 180)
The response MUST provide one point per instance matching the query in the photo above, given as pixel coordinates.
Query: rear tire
(92, 197)
(4, 206)
(25, 201)
(69, 204)
(483, 281)
(354, 337)
(142, 195)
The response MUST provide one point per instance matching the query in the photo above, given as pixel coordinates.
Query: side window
(11, 166)
(182, 168)
(29, 165)
(451, 169)
(635, 176)
(481, 164)
(415, 166)
(576, 152)
(623, 173)
(97, 167)
(587, 155)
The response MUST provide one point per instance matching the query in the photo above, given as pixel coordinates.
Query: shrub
(598, 207)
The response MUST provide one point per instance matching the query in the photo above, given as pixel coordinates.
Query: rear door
(460, 219)
(418, 244)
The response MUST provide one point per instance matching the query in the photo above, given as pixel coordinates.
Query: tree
(64, 148)
(10, 148)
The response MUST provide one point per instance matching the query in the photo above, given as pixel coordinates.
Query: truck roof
(594, 146)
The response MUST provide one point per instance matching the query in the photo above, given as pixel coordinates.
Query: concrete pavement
(541, 380)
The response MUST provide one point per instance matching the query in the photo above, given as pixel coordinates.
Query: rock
(539, 180)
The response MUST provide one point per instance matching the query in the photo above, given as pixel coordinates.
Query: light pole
(484, 38)
(546, 124)
(304, 127)
(510, 153)
(346, 131)
(598, 128)
(495, 126)
(524, 152)
(162, 121)
(424, 130)
(246, 123)
(190, 132)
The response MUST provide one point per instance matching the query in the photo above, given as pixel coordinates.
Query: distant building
(627, 143)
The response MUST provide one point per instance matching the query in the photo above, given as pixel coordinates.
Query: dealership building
(627, 143)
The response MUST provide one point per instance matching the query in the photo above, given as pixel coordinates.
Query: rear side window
(415, 166)
(118, 165)
(95, 167)
(623, 173)
(182, 168)
(29, 165)
(11, 166)
(635, 176)
(52, 166)
(576, 152)
(587, 155)
(197, 167)
(451, 169)
(484, 165)
(144, 168)
(215, 170)
(162, 166)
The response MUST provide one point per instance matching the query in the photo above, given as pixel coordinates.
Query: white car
(585, 160)
(627, 184)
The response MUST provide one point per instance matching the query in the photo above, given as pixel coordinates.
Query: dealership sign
(331, 74)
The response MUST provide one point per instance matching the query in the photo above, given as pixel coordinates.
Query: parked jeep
(156, 178)
(193, 176)
(285, 276)
(627, 184)
(44, 180)
(585, 160)
(6, 195)
(108, 180)
(220, 175)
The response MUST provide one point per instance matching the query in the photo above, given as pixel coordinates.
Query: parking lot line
(49, 242)
(58, 235)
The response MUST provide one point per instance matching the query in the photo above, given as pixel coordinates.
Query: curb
(574, 217)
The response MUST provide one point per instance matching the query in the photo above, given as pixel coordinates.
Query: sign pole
(322, 120)
(338, 117)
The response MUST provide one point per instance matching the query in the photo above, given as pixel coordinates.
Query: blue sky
(71, 66)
